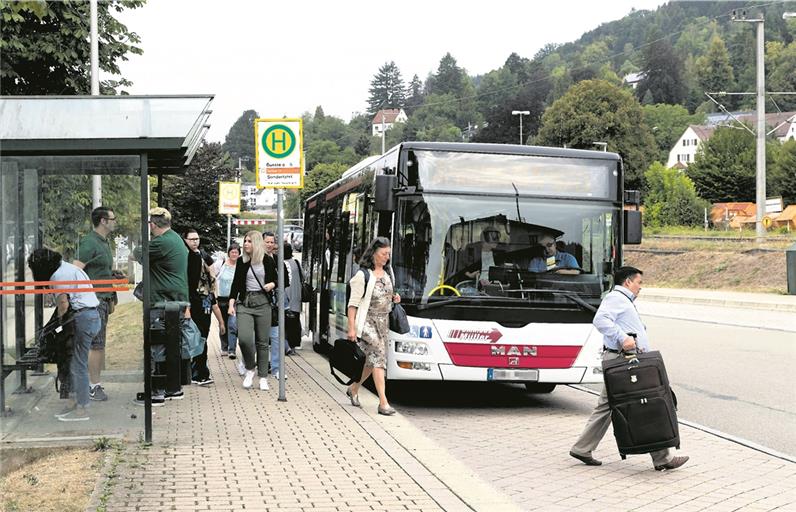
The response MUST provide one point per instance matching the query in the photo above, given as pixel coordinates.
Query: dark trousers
(199, 369)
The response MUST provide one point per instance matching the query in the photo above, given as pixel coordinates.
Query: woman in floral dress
(368, 318)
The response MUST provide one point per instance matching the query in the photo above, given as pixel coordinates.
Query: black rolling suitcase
(642, 404)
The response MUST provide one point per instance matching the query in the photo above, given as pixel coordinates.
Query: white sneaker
(276, 375)
(248, 379)
(264, 384)
(241, 367)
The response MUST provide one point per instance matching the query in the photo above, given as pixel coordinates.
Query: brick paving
(227, 448)
(522, 451)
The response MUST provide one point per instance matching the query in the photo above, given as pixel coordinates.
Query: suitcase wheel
(623, 456)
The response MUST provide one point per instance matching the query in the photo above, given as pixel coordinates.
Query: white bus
(501, 255)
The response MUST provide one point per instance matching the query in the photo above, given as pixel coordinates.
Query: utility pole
(96, 179)
(382, 131)
(760, 196)
(521, 113)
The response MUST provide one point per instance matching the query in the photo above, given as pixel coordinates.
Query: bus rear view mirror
(384, 192)
(632, 227)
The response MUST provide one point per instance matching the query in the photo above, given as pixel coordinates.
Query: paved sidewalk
(224, 448)
(765, 301)
(227, 448)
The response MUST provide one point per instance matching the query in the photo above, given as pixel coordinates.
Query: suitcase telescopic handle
(631, 355)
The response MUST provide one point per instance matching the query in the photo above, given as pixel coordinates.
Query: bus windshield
(503, 248)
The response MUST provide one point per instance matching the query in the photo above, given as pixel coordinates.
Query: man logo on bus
(279, 141)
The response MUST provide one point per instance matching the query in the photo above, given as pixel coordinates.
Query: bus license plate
(522, 375)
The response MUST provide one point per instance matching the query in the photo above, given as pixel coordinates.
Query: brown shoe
(672, 464)
(586, 459)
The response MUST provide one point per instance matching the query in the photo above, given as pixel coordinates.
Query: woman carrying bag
(250, 302)
(368, 318)
(225, 273)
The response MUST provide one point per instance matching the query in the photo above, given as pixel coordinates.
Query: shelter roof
(168, 128)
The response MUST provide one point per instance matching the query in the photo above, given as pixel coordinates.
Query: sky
(286, 58)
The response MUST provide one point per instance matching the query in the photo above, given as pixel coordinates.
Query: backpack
(55, 339)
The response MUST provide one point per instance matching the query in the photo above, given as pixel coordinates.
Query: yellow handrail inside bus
(444, 287)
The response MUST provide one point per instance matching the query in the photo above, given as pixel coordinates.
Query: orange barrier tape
(58, 291)
(48, 283)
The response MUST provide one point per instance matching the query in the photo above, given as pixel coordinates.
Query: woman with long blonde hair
(250, 301)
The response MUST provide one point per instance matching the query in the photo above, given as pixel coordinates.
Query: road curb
(727, 303)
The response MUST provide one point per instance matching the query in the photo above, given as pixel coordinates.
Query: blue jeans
(275, 348)
(87, 326)
(229, 340)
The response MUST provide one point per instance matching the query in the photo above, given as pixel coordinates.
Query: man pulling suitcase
(616, 317)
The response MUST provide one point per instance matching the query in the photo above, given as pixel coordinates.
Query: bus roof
(472, 147)
(510, 149)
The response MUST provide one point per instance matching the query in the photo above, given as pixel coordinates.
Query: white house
(255, 200)
(685, 149)
(385, 119)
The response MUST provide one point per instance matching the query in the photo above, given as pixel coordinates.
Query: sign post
(279, 154)
(229, 203)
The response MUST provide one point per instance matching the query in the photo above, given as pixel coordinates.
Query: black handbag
(56, 338)
(349, 359)
(398, 321)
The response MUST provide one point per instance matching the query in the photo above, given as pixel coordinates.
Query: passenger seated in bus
(554, 260)
(482, 254)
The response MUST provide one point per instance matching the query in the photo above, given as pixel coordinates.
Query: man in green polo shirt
(94, 256)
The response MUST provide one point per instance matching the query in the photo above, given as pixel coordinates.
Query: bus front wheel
(539, 387)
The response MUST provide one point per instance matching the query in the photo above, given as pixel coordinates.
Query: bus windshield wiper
(570, 295)
(453, 300)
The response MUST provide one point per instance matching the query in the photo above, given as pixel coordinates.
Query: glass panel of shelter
(47, 202)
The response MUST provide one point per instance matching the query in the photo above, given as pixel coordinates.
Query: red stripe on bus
(482, 355)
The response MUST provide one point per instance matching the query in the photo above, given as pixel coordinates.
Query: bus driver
(554, 260)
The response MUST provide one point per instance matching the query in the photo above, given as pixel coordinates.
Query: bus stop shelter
(50, 148)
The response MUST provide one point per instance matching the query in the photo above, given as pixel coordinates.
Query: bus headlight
(414, 365)
(411, 347)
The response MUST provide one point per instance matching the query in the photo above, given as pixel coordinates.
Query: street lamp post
(521, 113)
(760, 196)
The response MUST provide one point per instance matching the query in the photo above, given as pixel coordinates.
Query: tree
(595, 110)
(724, 167)
(45, 46)
(414, 95)
(239, 143)
(449, 78)
(320, 177)
(783, 173)
(662, 71)
(714, 72)
(519, 85)
(671, 198)
(781, 68)
(192, 197)
(668, 122)
(386, 89)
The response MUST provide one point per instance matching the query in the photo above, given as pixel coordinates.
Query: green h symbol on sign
(279, 141)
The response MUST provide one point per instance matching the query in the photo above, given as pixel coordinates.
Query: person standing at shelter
(616, 317)
(368, 318)
(225, 272)
(293, 308)
(95, 257)
(168, 278)
(46, 265)
(250, 301)
(271, 247)
(201, 290)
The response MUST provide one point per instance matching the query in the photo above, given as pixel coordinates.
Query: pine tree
(449, 79)
(662, 71)
(414, 94)
(714, 72)
(386, 89)
(239, 142)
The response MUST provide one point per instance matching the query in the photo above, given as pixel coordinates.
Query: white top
(78, 300)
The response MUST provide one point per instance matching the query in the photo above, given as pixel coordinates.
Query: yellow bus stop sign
(279, 153)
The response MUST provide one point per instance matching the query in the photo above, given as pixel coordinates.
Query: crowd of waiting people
(239, 290)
